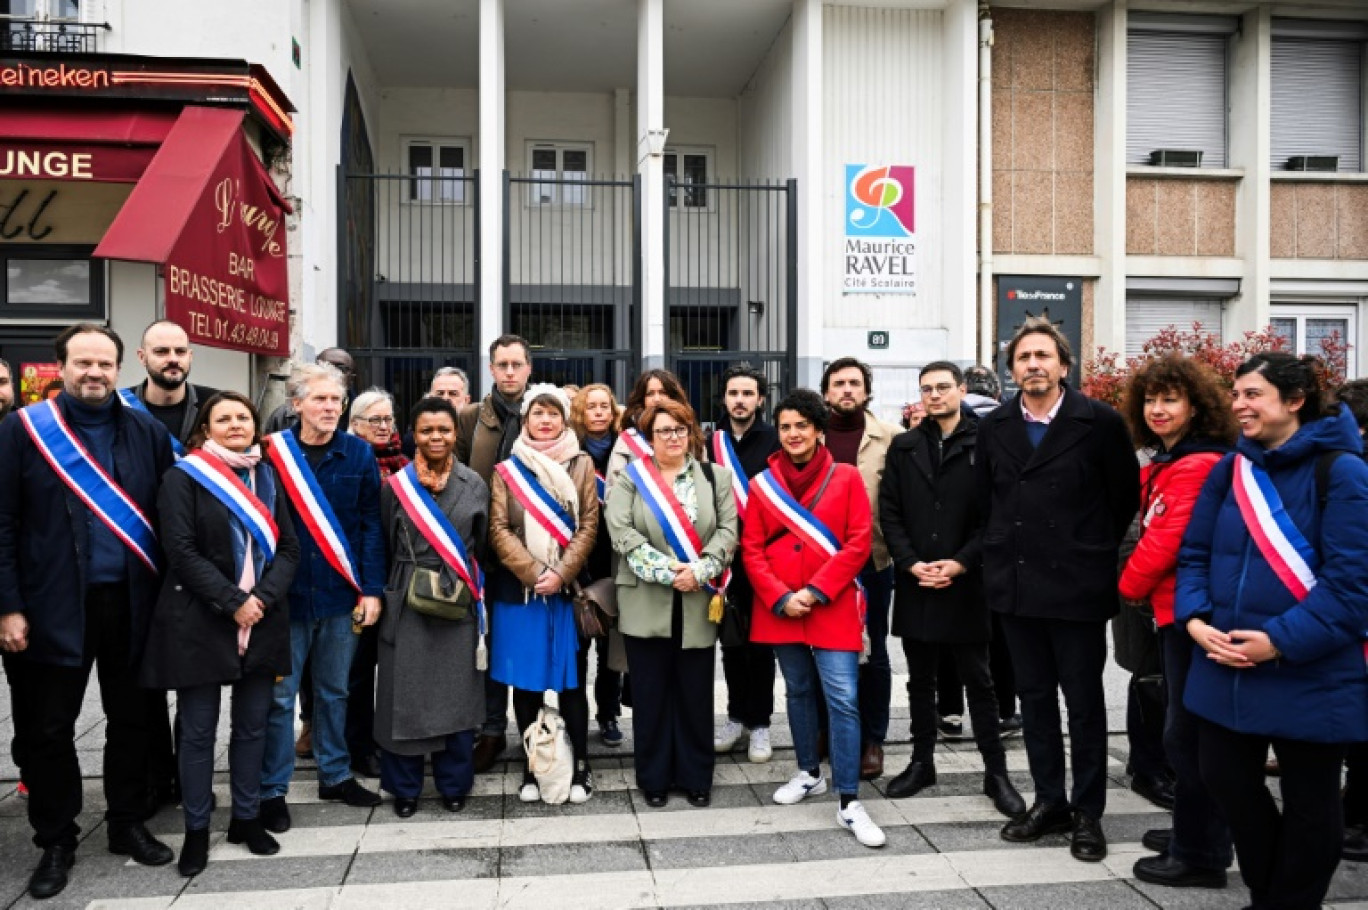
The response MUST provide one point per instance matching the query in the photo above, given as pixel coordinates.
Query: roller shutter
(1175, 95)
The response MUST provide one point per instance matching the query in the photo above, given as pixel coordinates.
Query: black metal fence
(572, 286)
(409, 277)
(23, 35)
(731, 285)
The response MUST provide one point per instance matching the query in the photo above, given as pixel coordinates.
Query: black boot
(249, 831)
(194, 852)
(997, 786)
(916, 777)
(51, 875)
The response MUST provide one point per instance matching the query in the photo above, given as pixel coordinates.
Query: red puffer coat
(778, 562)
(1168, 490)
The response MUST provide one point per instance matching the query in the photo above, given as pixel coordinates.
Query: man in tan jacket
(485, 434)
(855, 436)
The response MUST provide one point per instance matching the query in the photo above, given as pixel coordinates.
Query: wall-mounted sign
(879, 252)
(51, 211)
(1023, 297)
(878, 341)
(21, 160)
(38, 382)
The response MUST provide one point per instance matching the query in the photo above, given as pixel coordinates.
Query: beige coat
(507, 517)
(643, 607)
(878, 436)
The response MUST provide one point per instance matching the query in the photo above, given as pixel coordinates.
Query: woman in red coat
(807, 603)
(1176, 407)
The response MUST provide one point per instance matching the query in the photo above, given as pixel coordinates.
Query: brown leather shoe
(488, 747)
(304, 745)
(871, 762)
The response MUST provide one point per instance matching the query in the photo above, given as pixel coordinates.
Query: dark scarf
(802, 478)
(599, 448)
(510, 418)
(390, 456)
(843, 435)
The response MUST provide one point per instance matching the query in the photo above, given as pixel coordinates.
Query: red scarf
(390, 456)
(800, 479)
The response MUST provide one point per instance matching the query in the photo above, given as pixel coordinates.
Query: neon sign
(25, 75)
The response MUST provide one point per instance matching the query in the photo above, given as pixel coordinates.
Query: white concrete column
(492, 159)
(1248, 143)
(959, 304)
(1109, 178)
(808, 156)
(650, 120)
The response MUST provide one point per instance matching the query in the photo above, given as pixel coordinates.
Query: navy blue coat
(45, 536)
(1318, 690)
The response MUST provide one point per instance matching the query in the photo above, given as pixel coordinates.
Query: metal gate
(731, 289)
(572, 286)
(409, 277)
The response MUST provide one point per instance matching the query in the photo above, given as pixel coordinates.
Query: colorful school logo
(880, 200)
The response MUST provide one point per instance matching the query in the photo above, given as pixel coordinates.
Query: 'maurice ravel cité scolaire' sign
(879, 246)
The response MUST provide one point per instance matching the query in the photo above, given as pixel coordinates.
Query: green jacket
(644, 607)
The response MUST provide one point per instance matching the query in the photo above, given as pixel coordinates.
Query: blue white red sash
(131, 399)
(601, 486)
(637, 444)
(440, 533)
(724, 454)
(1281, 543)
(770, 492)
(536, 500)
(84, 476)
(660, 499)
(311, 505)
(219, 479)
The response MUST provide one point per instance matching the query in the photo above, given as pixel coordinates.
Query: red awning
(109, 146)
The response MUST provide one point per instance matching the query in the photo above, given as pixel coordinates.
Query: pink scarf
(238, 461)
(560, 450)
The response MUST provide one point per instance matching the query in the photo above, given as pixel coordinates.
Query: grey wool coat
(428, 686)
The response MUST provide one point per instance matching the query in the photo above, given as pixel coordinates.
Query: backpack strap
(1325, 463)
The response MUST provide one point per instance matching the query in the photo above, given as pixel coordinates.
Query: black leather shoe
(367, 765)
(351, 793)
(1089, 844)
(997, 786)
(1157, 839)
(488, 746)
(657, 799)
(194, 855)
(453, 803)
(250, 831)
(51, 875)
(1174, 873)
(916, 777)
(274, 815)
(405, 808)
(135, 841)
(1355, 845)
(1040, 820)
(700, 799)
(1158, 790)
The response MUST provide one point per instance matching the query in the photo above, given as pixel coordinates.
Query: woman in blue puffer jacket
(1273, 585)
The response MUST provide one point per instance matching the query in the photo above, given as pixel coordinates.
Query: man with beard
(6, 389)
(855, 436)
(79, 566)
(1058, 483)
(485, 434)
(743, 443)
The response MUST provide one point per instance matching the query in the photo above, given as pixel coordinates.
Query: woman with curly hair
(1177, 410)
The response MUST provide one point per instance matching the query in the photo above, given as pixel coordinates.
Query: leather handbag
(595, 607)
(426, 596)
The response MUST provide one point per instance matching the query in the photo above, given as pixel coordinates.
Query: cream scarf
(558, 482)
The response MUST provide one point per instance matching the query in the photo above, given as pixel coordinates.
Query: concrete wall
(1319, 220)
(1180, 217)
(764, 114)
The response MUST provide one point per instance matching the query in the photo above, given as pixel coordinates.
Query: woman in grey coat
(429, 698)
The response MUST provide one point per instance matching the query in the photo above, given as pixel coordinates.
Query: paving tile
(571, 859)
(685, 852)
(424, 865)
(1113, 895)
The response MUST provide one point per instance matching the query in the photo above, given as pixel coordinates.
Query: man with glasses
(485, 434)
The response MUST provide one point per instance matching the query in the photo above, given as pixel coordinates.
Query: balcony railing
(25, 35)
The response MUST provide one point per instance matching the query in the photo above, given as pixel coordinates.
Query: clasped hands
(937, 574)
(1238, 648)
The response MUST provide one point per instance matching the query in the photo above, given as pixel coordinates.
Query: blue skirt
(534, 645)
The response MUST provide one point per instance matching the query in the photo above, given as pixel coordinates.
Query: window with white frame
(438, 169)
(559, 169)
(1306, 325)
(1176, 87)
(687, 171)
(1317, 94)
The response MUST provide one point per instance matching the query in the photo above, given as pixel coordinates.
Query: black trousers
(607, 684)
(749, 670)
(970, 662)
(1355, 784)
(198, 710)
(671, 711)
(16, 676)
(1049, 656)
(1286, 858)
(162, 768)
(574, 707)
(361, 695)
(47, 726)
(950, 691)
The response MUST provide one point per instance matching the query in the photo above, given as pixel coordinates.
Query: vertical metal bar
(475, 319)
(791, 276)
(507, 257)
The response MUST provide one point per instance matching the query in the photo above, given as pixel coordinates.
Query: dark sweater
(843, 435)
(95, 426)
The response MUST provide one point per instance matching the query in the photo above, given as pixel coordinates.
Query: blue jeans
(328, 646)
(876, 676)
(836, 672)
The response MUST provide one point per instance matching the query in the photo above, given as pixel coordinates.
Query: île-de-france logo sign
(880, 229)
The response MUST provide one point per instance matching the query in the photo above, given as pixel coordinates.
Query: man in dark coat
(1059, 484)
(76, 594)
(933, 527)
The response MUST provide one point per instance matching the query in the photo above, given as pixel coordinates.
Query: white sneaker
(759, 751)
(728, 736)
(800, 788)
(530, 793)
(856, 820)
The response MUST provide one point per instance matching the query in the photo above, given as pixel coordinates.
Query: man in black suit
(1059, 483)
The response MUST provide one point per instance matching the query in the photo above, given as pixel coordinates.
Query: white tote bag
(549, 755)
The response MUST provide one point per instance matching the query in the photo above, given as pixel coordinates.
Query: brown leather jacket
(506, 517)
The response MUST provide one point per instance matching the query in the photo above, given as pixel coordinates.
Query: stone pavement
(943, 848)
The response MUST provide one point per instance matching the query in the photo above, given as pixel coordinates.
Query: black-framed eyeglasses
(671, 432)
(379, 421)
(942, 388)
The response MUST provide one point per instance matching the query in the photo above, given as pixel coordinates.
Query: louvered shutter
(1175, 95)
(1146, 317)
(1317, 100)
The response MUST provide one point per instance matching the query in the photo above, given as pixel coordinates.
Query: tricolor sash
(724, 454)
(637, 444)
(440, 534)
(311, 505)
(601, 486)
(219, 479)
(536, 500)
(771, 493)
(1286, 550)
(131, 400)
(84, 476)
(660, 499)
